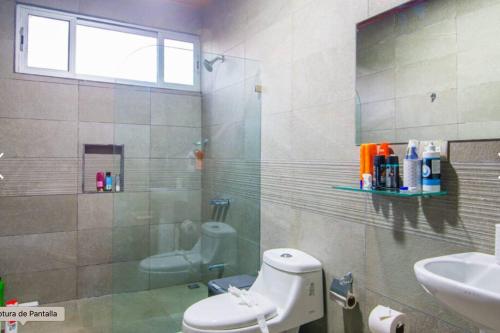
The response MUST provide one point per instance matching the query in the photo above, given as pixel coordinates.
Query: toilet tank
(293, 281)
(218, 244)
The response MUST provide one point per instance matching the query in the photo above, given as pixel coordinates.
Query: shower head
(209, 64)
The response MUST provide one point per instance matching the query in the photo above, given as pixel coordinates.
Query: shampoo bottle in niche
(99, 180)
(109, 182)
(412, 168)
(431, 169)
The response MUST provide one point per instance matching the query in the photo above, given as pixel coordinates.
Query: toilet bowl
(216, 246)
(288, 293)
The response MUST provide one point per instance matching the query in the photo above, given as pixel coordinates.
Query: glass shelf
(393, 193)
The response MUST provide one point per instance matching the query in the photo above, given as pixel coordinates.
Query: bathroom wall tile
(137, 175)
(174, 206)
(28, 176)
(377, 33)
(19, 214)
(476, 29)
(126, 277)
(131, 209)
(94, 133)
(420, 110)
(435, 12)
(377, 58)
(478, 130)
(465, 6)
(7, 19)
(32, 253)
(225, 105)
(96, 104)
(232, 71)
(170, 16)
(378, 135)
(376, 87)
(277, 87)
(430, 42)
(484, 151)
(276, 136)
(38, 138)
(94, 246)
(175, 109)
(323, 80)
(95, 211)
(174, 174)
(330, 239)
(136, 139)
(478, 103)
(262, 14)
(173, 142)
(226, 141)
(451, 132)
(94, 281)
(477, 66)
(388, 272)
(279, 226)
(45, 287)
(38, 100)
(380, 6)
(132, 106)
(378, 115)
(130, 243)
(427, 76)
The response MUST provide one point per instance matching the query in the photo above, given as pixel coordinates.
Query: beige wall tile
(131, 208)
(136, 139)
(38, 252)
(94, 281)
(173, 142)
(176, 110)
(45, 287)
(132, 106)
(130, 243)
(31, 215)
(94, 246)
(37, 100)
(37, 138)
(95, 211)
(95, 104)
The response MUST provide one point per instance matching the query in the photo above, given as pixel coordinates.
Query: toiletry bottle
(109, 182)
(392, 173)
(362, 162)
(99, 180)
(379, 172)
(117, 183)
(2, 287)
(11, 326)
(412, 168)
(431, 169)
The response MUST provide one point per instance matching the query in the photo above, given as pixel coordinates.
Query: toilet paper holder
(341, 291)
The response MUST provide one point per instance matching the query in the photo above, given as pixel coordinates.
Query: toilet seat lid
(223, 312)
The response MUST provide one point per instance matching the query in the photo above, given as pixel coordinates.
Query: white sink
(468, 283)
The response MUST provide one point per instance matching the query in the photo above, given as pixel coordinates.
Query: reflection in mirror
(429, 69)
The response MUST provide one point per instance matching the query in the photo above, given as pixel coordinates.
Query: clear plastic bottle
(412, 168)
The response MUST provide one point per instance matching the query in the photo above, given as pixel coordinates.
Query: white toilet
(217, 245)
(288, 293)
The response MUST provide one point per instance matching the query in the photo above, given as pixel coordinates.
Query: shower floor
(150, 311)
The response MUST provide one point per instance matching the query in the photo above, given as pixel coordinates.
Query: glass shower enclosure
(188, 210)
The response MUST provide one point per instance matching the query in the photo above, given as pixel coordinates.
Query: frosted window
(179, 62)
(115, 54)
(48, 43)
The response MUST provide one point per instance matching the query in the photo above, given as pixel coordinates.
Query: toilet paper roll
(386, 320)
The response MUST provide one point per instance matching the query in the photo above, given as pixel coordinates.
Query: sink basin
(468, 283)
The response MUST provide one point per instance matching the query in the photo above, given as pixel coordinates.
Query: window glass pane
(178, 62)
(115, 54)
(48, 43)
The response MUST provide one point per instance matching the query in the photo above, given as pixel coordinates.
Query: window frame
(21, 47)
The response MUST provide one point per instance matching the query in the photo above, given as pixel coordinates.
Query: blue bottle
(109, 182)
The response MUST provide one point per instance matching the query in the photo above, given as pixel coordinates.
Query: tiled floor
(151, 311)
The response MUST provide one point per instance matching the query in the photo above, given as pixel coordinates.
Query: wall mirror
(429, 69)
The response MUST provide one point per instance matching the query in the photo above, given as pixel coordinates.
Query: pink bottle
(99, 180)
